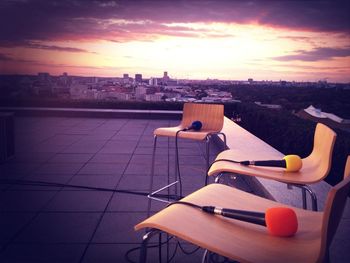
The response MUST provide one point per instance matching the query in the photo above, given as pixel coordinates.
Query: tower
(138, 78)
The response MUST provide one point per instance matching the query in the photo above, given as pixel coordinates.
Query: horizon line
(207, 79)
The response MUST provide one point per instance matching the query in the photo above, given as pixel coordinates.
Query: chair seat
(311, 172)
(193, 135)
(219, 234)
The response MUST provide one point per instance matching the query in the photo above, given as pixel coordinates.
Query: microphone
(292, 163)
(280, 221)
(196, 125)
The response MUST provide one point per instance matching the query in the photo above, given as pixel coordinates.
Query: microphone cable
(101, 189)
(213, 257)
(173, 197)
(221, 160)
(159, 245)
(207, 209)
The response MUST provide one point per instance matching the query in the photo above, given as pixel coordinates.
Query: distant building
(113, 95)
(318, 113)
(180, 89)
(126, 78)
(138, 78)
(64, 80)
(165, 79)
(330, 119)
(153, 82)
(140, 92)
(44, 77)
(172, 82)
(165, 75)
(269, 106)
(78, 91)
(154, 97)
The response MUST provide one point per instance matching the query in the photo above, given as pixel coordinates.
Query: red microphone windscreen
(281, 221)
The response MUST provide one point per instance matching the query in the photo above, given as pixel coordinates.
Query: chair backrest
(334, 208)
(210, 115)
(320, 160)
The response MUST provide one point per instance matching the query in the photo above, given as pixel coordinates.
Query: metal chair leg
(218, 178)
(207, 141)
(152, 173)
(153, 159)
(145, 239)
(303, 193)
(153, 194)
(177, 165)
(204, 257)
(304, 189)
(225, 141)
(207, 151)
(313, 197)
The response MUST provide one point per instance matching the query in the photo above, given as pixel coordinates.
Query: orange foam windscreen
(281, 221)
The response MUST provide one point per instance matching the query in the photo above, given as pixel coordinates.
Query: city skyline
(263, 40)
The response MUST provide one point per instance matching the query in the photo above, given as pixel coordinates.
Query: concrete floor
(62, 224)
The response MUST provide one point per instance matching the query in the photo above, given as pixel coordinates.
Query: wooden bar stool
(211, 116)
(246, 242)
(315, 167)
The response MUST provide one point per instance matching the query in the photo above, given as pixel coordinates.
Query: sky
(229, 40)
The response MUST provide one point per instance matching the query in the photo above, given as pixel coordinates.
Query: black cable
(185, 203)
(188, 252)
(215, 258)
(127, 254)
(174, 253)
(221, 160)
(50, 184)
(177, 245)
(160, 247)
(208, 209)
(128, 259)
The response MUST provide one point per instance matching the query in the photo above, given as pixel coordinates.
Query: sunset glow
(189, 39)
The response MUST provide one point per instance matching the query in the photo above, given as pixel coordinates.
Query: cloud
(57, 48)
(31, 63)
(325, 16)
(4, 57)
(8, 44)
(302, 39)
(42, 20)
(322, 53)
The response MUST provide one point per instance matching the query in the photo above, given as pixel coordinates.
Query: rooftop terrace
(62, 224)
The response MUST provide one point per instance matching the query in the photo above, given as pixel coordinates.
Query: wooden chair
(212, 118)
(246, 242)
(315, 167)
